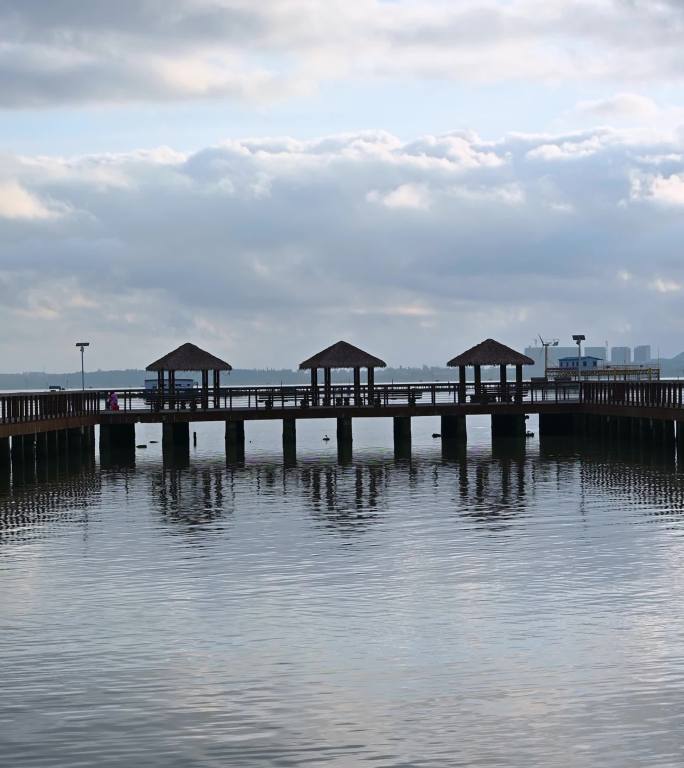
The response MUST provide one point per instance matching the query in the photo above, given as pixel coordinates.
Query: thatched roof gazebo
(189, 357)
(489, 353)
(342, 355)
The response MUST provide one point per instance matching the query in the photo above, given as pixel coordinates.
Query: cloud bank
(72, 52)
(266, 250)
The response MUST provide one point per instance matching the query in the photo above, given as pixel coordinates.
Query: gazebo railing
(347, 395)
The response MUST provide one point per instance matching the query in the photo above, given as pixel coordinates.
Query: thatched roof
(189, 357)
(343, 355)
(490, 352)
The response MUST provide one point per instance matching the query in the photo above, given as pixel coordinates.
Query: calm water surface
(504, 606)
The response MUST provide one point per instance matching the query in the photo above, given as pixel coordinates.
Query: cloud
(622, 105)
(98, 52)
(665, 286)
(265, 250)
(665, 190)
(405, 196)
(17, 203)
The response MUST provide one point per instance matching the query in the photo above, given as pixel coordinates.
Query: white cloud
(666, 190)
(414, 196)
(97, 52)
(264, 250)
(665, 286)
(622, 105)
(17, 203)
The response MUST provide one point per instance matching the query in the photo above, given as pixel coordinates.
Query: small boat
(436, 434)
(142, 445)
(325, 438)
(154, 441)
(529, 434)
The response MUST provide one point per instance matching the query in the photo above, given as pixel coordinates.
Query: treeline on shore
(134, 378)
(240, 377)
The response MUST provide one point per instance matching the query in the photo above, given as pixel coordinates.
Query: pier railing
(340, 396)
(48, 406)
(39, 406)
(42, 406)
(644, 394)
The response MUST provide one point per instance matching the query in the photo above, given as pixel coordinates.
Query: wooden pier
(40, 424)
(43, 425)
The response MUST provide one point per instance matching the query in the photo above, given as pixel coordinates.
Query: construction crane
(546, 345)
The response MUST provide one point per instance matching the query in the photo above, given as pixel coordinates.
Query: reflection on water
(507, 605)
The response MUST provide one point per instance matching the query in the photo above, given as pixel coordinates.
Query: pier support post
(53, 444)
(624, 429)
(668, 436)
(508, 425)
(290, 441)
(63, 442)
(117, 444)
(658, 432)
(176, 435)
(176, 444)
(42, 447)
(454, 428)
(554, 424)
(344, 430)
(402, 429)
(5, 453)
(680, 439)
(74, 441)
(235, 441)
(344, 439)
(402, 436)
(23, 449)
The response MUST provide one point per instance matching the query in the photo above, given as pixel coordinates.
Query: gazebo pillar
(160, 389)
(204, 394)
(327, 386)
(217, 389)
(371, 385)
(518, 383)
(478, 382)
(502, 382)
(172, 389)
(357, 386)
(314, 386)
(462, 381)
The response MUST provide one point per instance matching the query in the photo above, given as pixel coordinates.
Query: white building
(620, 355)
(642, 354)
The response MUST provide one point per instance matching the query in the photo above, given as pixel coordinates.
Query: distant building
(621, 355)
(642, 354)
(599, 352)
(559, 352)
(586, 361)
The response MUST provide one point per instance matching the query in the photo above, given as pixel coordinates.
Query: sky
(264, 179)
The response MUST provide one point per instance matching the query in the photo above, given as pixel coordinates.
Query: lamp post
(578, 338)
(82, 345)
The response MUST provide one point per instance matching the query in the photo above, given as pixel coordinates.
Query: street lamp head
(578, 337)
(82, 344)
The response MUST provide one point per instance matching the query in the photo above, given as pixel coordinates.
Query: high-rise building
(599, 352)
(621, 355)
(642, 354)
(555, 354)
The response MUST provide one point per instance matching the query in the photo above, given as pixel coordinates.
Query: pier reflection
(38, 503)
(345, 499)
(492, 487)
(195, 499)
